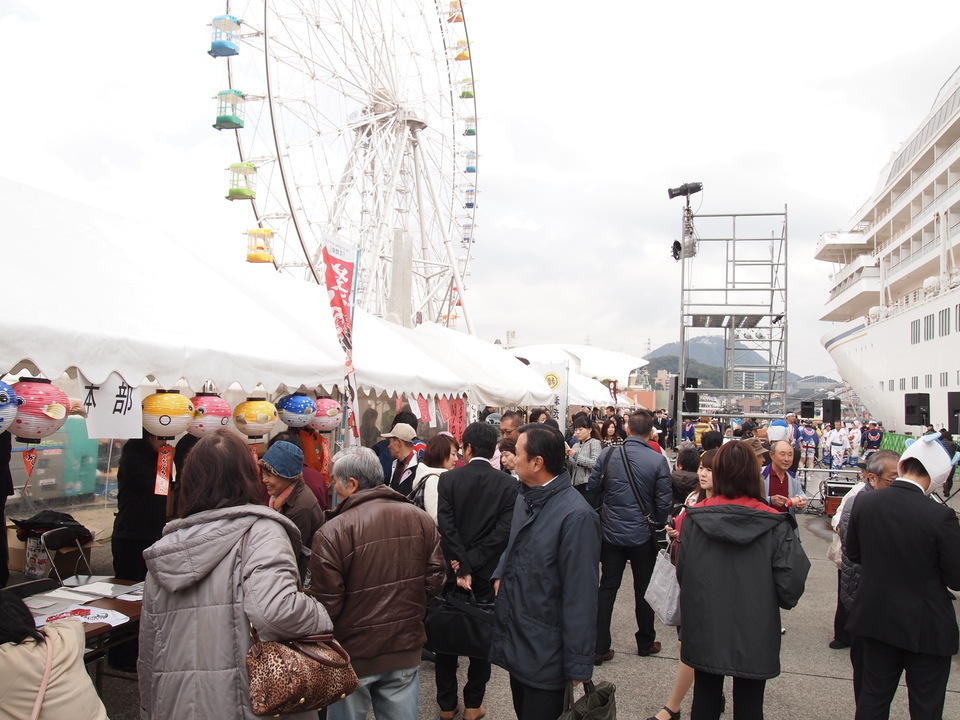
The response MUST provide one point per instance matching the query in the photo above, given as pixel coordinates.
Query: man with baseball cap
(908, 547)
(402, 438)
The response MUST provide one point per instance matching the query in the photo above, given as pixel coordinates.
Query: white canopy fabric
(495, 376)
(585, 359)
(102, 293)
(582, 390)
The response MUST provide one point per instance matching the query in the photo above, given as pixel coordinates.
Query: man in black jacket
(474, 512)
(908, 547)
(627, 534)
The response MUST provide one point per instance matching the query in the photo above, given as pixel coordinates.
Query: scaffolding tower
(734, 285)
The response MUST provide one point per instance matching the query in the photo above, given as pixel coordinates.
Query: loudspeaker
(916, 408)
(806, 409)
(691, 401)
(953, 413)
(831, 411)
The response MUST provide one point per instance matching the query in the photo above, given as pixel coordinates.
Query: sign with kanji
(112, 408)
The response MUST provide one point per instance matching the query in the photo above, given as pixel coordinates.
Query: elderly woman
(740, 562)
(281, 469)
(226, 564)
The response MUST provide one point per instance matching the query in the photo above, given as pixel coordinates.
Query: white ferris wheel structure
(359, 124)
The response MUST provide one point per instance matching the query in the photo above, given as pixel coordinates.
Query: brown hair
(735, 472)
(219, 472)
(438, 450)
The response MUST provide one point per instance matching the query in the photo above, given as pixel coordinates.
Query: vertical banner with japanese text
(339, 261)
(556, 376)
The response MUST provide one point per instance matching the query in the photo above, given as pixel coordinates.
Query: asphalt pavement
(815, 682)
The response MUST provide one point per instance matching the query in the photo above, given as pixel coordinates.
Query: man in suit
(908, 547)
(474, 513)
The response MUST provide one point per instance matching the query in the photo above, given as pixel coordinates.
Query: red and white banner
(340, 268)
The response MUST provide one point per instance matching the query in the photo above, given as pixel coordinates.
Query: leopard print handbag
(300, 675)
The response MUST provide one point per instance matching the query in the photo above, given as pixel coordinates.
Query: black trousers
(478, 674)
(530, 703)
(613, 561)
(856, 662)
(840, 633)
(708, 697)
(4, 550)
(128, 564)
(883, 665)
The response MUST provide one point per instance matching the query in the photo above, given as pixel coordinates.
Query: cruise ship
(896, 281)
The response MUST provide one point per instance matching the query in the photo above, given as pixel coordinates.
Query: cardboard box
(64, 559)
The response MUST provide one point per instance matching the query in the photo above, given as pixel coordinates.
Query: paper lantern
(328, 417)
(42, 409)
(8, 405)
(166, 414)
(296, 410)
(255, 417)
(211, 412)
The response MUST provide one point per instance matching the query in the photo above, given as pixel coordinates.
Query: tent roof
(585, 359)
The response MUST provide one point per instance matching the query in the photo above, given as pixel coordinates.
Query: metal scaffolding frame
(734, 283)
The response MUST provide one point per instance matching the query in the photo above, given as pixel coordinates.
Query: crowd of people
(540, 525)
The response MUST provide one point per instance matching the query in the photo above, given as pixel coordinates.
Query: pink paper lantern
(328, 417)
(166, 414)
(211, 413)
(42, 409)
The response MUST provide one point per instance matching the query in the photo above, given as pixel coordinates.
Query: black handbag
(457, 624)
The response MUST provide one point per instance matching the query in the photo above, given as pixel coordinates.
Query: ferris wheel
(355, 121)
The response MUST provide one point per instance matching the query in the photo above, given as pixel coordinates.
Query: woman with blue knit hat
(281, 469)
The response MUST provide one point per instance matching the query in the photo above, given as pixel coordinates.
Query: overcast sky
(587, 114)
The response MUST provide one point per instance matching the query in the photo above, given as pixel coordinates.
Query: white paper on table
(64, 594)
(101, 589)
(86, 614)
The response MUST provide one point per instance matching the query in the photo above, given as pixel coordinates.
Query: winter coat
(683, 482)
(581, 463)
(623, 523)
(141, 514)
(545, 627)
(740, 561)
(210, 576)
(376, 564)
(849, 570)
(70, 693)
(302, 508)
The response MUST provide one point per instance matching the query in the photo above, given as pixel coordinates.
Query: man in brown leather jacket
(376, 563)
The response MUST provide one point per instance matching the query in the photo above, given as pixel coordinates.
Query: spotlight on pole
(685, 190)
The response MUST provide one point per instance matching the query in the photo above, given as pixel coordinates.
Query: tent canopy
(587, 360)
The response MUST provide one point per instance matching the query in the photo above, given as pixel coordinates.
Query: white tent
(582, 390)
(101, 293)
(587, 360)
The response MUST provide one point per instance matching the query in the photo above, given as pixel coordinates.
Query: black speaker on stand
(916, 408)
(831, 411)
(691, 400)
(953, 413)
(806, 409)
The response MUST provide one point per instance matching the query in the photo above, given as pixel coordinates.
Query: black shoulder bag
(657, 530)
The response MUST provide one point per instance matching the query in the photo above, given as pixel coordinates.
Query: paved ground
(815, 682)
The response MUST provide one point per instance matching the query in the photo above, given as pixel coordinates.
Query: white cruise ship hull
(881, 363)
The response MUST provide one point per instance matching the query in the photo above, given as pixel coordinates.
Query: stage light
(685, 190)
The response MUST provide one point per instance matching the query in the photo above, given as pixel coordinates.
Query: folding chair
(65, 537)
(33, 587)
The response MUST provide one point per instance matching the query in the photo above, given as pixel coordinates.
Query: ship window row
(924, 136)
(915, 382)
(935, 325)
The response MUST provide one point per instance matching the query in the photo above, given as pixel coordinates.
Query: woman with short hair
(441, 455)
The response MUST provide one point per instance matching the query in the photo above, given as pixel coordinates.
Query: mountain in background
(706, 351)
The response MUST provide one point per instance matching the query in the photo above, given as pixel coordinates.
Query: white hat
(934, 457)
